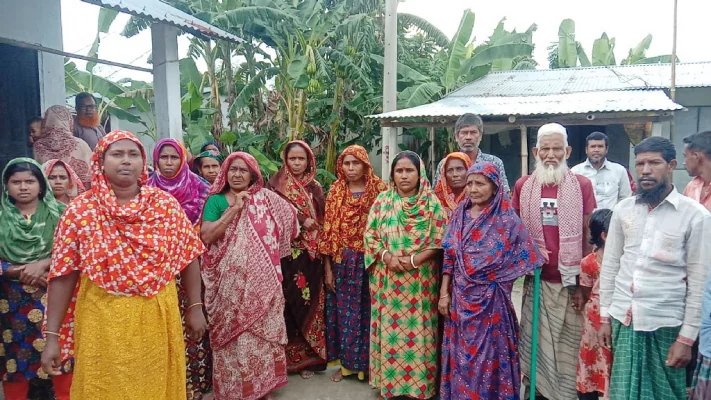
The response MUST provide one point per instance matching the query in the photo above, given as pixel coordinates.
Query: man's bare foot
(307, 374)
(337, 376)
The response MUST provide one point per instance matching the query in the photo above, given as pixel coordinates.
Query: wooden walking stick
(534, 340)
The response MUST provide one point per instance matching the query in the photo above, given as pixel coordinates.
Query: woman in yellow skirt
(112, 302)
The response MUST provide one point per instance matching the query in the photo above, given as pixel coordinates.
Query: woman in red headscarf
(248, 229)
(303, 271)
(341, 244)
(453, 181)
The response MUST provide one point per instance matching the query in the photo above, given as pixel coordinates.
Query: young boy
(34, 126)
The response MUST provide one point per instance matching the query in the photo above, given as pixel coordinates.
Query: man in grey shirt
(468, 132)
(87, 125)
(609, 179)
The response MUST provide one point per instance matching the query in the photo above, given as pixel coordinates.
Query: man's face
(468, 138)
(692, 161)
(653, 170)
(87, 107)
(596, 151)
(552, 150)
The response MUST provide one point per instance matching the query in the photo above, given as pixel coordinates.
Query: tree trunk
(335, 127)
(215, 102)
(229, 83)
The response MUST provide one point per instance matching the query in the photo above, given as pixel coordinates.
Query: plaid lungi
(702, 379)
(638, 368)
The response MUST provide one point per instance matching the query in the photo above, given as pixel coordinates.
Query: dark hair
(700, 141)
(80, 97)
(468, 120)
(414, 159)
(597, 136)
(33, 120)
(26, 167)
(599, 224)
(657, 144)
(290, 146)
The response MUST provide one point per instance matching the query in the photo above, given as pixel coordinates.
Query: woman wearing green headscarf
(29, 214)
(403, 239)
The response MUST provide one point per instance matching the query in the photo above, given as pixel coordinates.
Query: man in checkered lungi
(656, 261)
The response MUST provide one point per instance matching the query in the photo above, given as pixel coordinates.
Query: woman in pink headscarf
(172, 175)
(64, 181)
(58, 142)
(247, 229)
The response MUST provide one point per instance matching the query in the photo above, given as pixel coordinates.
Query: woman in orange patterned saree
(112, 298)
(341, 244)
(453, 181)
(303, 271)
(247, 229)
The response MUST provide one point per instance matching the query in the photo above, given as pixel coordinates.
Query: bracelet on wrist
(193, 305)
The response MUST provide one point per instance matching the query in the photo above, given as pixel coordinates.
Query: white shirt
(656, 263)
(610, 182)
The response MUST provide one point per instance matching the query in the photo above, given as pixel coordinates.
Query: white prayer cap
(552, 129)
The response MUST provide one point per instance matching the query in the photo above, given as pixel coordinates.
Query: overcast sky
(628, 21)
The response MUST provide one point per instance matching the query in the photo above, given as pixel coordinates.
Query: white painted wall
(38, 22)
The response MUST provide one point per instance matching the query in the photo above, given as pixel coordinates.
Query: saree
(348, 309)
(24, 241)
(404, 320)
(76, 187)
(58, 142)
(243, 296)
(123, 323)
(190, 191)
(303, 286)
(484, 256)
(442, 189)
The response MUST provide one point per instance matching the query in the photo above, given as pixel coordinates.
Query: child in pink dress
(594, 362)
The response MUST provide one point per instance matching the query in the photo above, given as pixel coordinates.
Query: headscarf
(209, 142)
(304, 193)
(188, 188)
(58, 142)
(134, 249)
(254, 241)
(205, 154)
(346, 215)
(404, 225)
(76, 186)
(496, 246)
(22, 241)
(444, 193)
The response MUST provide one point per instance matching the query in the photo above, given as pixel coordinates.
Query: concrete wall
(38, 22)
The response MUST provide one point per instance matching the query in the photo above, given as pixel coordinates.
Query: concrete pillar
(657, 129)
(524, 149)
(389, 135)
(166, 81)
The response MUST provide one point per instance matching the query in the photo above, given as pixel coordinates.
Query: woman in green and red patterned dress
(403, 238)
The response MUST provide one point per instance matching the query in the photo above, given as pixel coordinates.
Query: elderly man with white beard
(555, 205)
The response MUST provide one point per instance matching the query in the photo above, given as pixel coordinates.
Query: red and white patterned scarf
(570, 220)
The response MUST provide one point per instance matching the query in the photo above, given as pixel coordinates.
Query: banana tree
(638, 54)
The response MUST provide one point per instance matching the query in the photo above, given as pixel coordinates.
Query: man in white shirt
(609, 179)
(657, 256)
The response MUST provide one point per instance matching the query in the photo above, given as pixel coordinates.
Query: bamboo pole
(672, 88)
(524, 149)
(534, 341)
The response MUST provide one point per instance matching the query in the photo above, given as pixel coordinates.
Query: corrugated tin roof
(575, 80)
(568, 103)
(158, 11)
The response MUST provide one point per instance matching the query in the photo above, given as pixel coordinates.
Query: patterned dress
(595, 363)
(404, 318)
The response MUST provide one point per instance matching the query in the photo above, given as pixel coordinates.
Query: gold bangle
(52, 333)
(193, 305)
(444, 297)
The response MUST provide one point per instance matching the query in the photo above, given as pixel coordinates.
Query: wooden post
(524, 149)
(433, 162)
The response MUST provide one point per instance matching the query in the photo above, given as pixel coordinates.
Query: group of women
(290, 280)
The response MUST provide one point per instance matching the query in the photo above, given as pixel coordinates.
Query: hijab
(443, 191)
(76, 187)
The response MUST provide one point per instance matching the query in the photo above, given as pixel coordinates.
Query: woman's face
(211, 147)
(239, 175)
(406, 175)
(123, 163)
(59, 180)
(297, 160)
(209, 168)
(455, 172)
(481, 190)
(353, 168)
(23, 187)
(168, 161)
